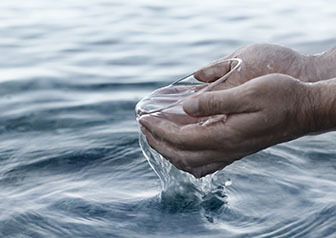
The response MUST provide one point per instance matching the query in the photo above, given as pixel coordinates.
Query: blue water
(71, 73)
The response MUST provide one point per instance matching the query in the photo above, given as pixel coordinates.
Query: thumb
(228, 101)
(213, 71)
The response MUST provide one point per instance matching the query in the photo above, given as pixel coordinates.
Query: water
(71, 73)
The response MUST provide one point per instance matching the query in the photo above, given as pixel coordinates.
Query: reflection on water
(71, 73)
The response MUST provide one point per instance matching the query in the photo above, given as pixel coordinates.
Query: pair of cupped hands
(267, 102)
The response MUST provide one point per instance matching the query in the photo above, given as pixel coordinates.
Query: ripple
(70, 164)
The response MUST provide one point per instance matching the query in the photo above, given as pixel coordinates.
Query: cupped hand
(260, 113)
(258, 60)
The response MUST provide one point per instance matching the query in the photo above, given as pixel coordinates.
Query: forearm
(323, 100)
(322, 66)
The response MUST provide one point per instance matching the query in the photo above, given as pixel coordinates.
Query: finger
(164, 149)
(180, 119)
(184, 159)
(180, 159)
(202, 171)
(191, 137)
(230, 101)
(213, 71)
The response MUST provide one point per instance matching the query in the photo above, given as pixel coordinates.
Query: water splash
(183, 188)
(179, 189)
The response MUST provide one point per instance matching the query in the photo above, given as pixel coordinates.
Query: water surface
(71, 73)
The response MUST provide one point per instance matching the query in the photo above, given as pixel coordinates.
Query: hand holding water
(261, 112)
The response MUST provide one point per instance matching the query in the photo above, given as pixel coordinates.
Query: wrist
(321, 98)
(322, 66)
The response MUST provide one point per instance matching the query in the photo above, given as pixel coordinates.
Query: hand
(258, 60)
(262, 112)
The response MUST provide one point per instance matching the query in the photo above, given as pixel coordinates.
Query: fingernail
(142, 128)
(144, 120)
(191, 106)
(141, 121)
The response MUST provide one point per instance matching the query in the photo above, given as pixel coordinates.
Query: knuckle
(211, 101)
(252, 92)
(208, 103)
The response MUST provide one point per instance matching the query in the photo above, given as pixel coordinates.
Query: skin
(264, 106)
(258, 60)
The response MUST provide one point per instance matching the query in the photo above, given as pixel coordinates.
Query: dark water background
(71, 73)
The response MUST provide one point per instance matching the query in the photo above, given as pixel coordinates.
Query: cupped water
(164, 103)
